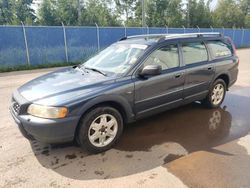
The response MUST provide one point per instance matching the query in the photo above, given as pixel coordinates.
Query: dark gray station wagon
(135, 77)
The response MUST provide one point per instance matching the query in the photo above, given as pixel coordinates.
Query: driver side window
(167, 57)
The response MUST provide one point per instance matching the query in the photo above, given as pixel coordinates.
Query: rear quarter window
(219, 49)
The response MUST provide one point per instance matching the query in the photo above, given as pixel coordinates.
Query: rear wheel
(99, 129)
(216, 94)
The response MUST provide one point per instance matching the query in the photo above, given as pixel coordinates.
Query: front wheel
(216, 94)
(99, 129)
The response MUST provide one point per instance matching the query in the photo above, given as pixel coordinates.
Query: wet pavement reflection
(155, 141)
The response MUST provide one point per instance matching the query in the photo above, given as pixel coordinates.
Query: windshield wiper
(96, 70)
(80, 67)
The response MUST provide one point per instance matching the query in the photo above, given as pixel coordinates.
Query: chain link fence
(35, 45)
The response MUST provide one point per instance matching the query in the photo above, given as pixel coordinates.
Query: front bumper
(46, 130)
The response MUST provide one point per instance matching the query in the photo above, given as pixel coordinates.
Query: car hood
(55, 87)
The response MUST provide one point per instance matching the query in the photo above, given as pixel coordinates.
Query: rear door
(199, 71)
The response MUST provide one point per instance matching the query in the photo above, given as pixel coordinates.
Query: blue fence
(35, 45)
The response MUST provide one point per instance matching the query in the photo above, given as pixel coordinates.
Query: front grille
(15, 106)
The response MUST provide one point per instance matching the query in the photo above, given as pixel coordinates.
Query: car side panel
(226, 66)
(198, 76)
(122, 93)
(154, 94)
(157, 93)
(197, 80)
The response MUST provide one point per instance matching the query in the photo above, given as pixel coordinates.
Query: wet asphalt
(197, 147)
(189, 128)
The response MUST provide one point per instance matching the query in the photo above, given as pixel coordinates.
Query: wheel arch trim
(124, 106)
(222, 74)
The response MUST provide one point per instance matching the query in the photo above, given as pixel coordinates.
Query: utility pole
(143, 13)
(188, 14)
(79, 9)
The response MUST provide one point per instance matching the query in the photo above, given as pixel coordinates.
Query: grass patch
(243, 47)
(32, 67)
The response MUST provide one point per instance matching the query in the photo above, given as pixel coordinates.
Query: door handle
(178, 75)
(209, 68)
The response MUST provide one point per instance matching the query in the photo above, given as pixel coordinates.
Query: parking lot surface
(190, 146)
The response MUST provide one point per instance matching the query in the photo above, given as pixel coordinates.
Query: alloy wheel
(103, 130)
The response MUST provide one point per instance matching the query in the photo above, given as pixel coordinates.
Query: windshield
(116, 59)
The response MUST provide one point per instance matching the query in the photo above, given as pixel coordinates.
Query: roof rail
(164, 36)
(140, 36)
(210, 34)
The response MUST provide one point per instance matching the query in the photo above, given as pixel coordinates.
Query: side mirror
(151, 70)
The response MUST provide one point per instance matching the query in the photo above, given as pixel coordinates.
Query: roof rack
(164, 36)
(141, 36)
(195, 35)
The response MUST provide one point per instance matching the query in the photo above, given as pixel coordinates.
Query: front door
(157, 93)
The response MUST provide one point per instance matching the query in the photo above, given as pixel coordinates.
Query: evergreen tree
(47, 14)
(23, 12)
(6, 12)
(228, 14)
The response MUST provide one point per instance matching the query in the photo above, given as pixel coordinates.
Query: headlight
(47, 111)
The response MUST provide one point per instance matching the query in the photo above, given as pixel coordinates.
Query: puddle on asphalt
(154, 141)
(229, 168)
(172, 157)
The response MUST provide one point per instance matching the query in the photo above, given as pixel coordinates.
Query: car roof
(151, 39)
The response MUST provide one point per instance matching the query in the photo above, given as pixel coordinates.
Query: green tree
(247, 21)
(198, 14)
(137, 21)
(127, 8)
(156, 13)
(245, 7)
(174, 13)
(132, 11)
(6, 12)
(66, 12)
(163, 13)
(228, 14)
(23, 11)
(98, 12)
(47, 14)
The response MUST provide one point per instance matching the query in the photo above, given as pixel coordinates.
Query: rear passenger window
(194, 52)
(219, 49)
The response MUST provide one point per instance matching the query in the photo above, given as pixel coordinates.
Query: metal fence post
(212, 28)
(125, 30)
(98, 36)
(65, 43)
(199, 30)
(242, 36)
(26, 44)
(233, 33)
(147, 29)
(223, 29)
(184, 29)
(167, 29)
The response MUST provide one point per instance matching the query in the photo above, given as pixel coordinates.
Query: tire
(99, 129)
(216, 94)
